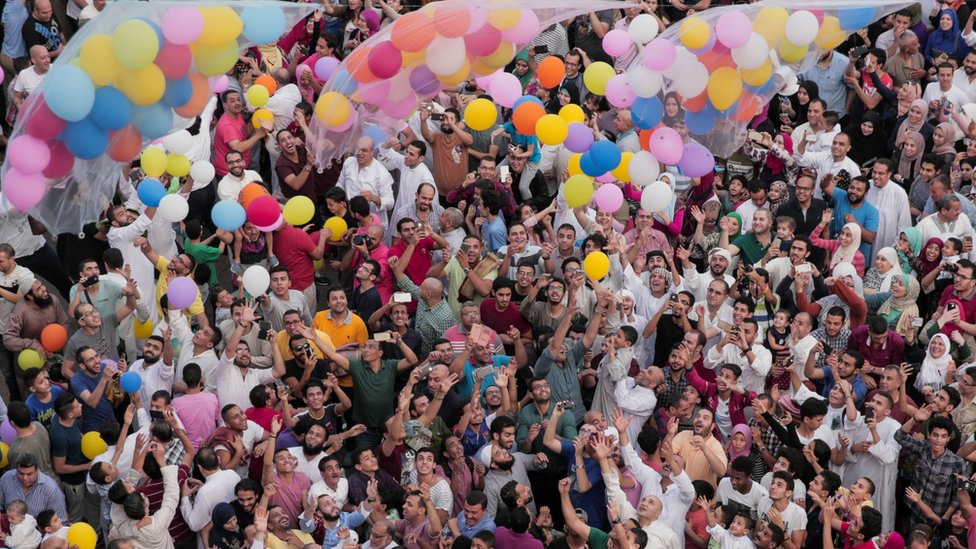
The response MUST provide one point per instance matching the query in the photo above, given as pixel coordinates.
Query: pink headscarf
(747, 433)
(776, 165)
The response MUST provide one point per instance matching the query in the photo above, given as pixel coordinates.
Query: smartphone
(438, 116)
(827, 349)
(481, 334)
(402, 297)
(868, 413)
(541, 48)
(803, 268)
(860, 51)
(755, 136)
(465, 247)
(566, 404)
(776, 243)
(484, 372)
(917, 322)
(503, 172)
(264, 327)
(382, 336)
(281, 387)
(954, 170)
(156, 415)
(425, 370)
(967, 240)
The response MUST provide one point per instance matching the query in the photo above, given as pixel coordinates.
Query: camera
(674, 298)
(90, 281)
(358, 240)
(747, 269)
(950, 267)
(565, 405)
(968, 485)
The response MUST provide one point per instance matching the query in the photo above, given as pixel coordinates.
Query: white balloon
(656, 196)
(644, 82)
(256, 280)
(173, 208)
(178, 142)
(643, 168)
(753, 54)
(802, 28)
(202, 171)
(692, 80)
(681, 59)
(643, 28)
(445, 56)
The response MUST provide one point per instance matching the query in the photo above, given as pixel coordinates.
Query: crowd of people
(779, 358)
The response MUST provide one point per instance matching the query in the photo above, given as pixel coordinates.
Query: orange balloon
(267, 82)
(358, 65)
(451, 21)
(551, 71)
(697, 103)
(715, 61)
(645, 139)
(250, 192)
(201, 94)
(749, 106)
(413, 31)
(526, 115)
(54, 337)
(125, 144)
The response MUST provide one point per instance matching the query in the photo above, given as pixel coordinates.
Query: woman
(773, 158)
(910, 154)
(868, 138)
(845, 248)
(521, 69)
(944, 141)
(929, 267)
(909, 245)
(740, 445)
(932, 375)
(809, 90)
(706, 235)
(672, 109)
(566, 94)
(878, 278)
(538, 224)
(945, 42)
(901, 307)
(779, 194)
(225, 532)
(913, 121)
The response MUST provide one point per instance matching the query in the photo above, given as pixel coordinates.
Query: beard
(505, 465)
(329, 517)
(43, 302)
(312, 450)
(850, 198)
(446, 129)
(150, 360)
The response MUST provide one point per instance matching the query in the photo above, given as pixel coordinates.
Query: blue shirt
(594, 501)
(857, 385)
(40, 411)
(495, 233)
(866, 215)
(486, 523)
(44, 494)
(91, 418)
(524, 141)
(13, 19)
(466, 385)
(833, 89)
(346, 520)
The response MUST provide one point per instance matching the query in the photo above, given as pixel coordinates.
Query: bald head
(40, 59)
(364, 150)
(281, 76)
(432, 290)
(42, 10)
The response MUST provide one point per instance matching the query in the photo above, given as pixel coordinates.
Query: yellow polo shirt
(195, 308)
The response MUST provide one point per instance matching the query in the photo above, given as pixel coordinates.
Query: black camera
(747, 269)
(358, 240)
(90, 281)
(950, 267)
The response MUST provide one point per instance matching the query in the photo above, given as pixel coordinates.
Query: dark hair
(830, 481)
(26, 461)
(112, 258)
(359, 206)
(64, 404)
(492, 202)
(878, 325)
(250, 485)
(98, 474)
(192, 374)
(870, 522)
(312, 382)
(336, 194)
(813, 407)
(500, 424)
(954, 397)
(19, 414)
(703, 489)
(44, 519)
(836, 310)
(519, 520)
(206, 458)
(476, 497)
(785, 477)
(134, 506)
(419, 145)
(742, 464)
(509, 495)
(259, 396)
(648, 439)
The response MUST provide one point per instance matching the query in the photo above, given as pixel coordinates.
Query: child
(49, 523)
(201, 250)
(222, 300)
(252, 247)
(43, 394)
(737, 535)
(951, 253)
(777, 341)
(23, 527)
(785, 227)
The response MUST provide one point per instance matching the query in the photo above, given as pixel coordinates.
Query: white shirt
(340, 494)
(410, 178)
(234, 388)
(28, 80)
(251, 437)
(726, 492)
(155, 377)
(308, 466)
(143, 271)
(219, 487)
(373, 178)
(16, 231)
(207, 360)
(23, 279)
(961, 81)
(932, 227)
(794, 517)
(635, 401)
(727, 541)
(893, 200)
(746, 209)
(933, 92)
(753, 374)
(823, 138)
(230, 187)
(823, 162)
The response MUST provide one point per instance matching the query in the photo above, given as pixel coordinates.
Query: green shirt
(597, 539)
(374, 395)
(206, 254)
(751, 250)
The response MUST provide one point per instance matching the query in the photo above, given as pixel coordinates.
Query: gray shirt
(562, 379)
(105, 341)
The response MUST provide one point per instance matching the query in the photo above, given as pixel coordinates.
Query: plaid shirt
(174, 452)
(668, 398)
(767, 436)
(838, 342)
(934, 478)
(431, 322)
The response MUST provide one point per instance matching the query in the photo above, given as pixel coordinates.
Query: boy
(49, 523)
(737, 534)
(43, 395)
(23, 527)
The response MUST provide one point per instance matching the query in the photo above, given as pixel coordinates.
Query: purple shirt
(891, 352)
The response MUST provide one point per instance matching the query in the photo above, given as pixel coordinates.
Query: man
(297, 251)
(420, 238)
(874, 447)
(850, 206)
(861, 531)
(332, 481)
(127, 226)
(371, 246)
(669, 324)
(740, 347)
(15, 283)
(29, 79)
(235, 374)
(69, 463)
(424, 209)
(236, 176)
(830, 161)
(260, 348)
(32, 435)
(815, 135)
(450, 148)
(363, 175)
(420, 520)
(282, 298)
(25, 482)
(907, 63)
(624, 537)
(752, 246)
(30, 316)
(828, 74)
(196, 348)
(217, 486)
(963, 289)
(637, 397)
(804, 208)
(233, 133)
(562, 360)
(485, 178)
(888, 40)
(739, 487)
(180, 266)
(155, 368)
(452, 230)
(367, 470)
(490, 223)
(942, 90)
(879, 345)
(644, 238)
(964, 415)
(618, 353)
(757, 200)
(964, 78)
(505, 463)
(90, 384)
(474, 518)
(888, 198)
(234, 446)
(702, 453)
(699, 283)
(42, 29)
(413, 172)
(947, 221)
(845, 366)
(465, 282)
(434, 317)
(936, 467)
(941, 186)
(95, 330)
(779, 509)
(345, 328)
(563, 249)
(310, 453)
(366, 299)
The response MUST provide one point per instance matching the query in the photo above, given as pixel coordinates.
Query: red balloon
(61, 161)
(385, 60)
(41, 122)
(263, 211)
(697, 103)
(125, 144)
(174, 60)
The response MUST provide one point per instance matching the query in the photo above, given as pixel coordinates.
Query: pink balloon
(505, 89)
(619, 93)
(181, 292)
(174, 60)
(375, 92)
(384, 60)
(325, 67)
(484, 82)
(182, 25)
(616, 42)
(733, 29)
(525, 30)
(666, 146)
(23, 190)
(263, 211)
(609, 197)
(606, 178)
(62, 161)
(41, 122)
(273, 227)
(659, 54)
(402, 108)
(478, 18)
(220, 83)
(483, 41)
(28, 154)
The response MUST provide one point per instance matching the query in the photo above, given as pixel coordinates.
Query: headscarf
(221, 537)
(933, 371)
(949, 144)
(912, 93)
(914, 237)
(949, 42)
(908, 127)
(775, 165)
(891, 255)
(747, 433)
(866, 147)
(908, 166)
(929, 266)
(895, 307)
(738, 218)
(670, 120)
(784, 195)
(842, 270)
(571, 89)
(846, 254)
(813, 91)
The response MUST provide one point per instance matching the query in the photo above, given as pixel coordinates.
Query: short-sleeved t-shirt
(284, 167)
(524, 141)
(374, 392)
(586, 39)
(598, 539)
(162, 263)
(105, 341)
(752, 252)
(66, 443)
(43, 412)
(866, 215)
(228, 129)
(91, 418)
(292, 248)
(40, 33)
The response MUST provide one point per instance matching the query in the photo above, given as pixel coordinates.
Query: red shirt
(420, 261)
(501, 321)
(849, 543)
(292, 247)
(178, 528)
(228, 129)
(262, 416)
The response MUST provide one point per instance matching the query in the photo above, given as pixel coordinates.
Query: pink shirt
(289, 496)
(228, 129)
(200, 414)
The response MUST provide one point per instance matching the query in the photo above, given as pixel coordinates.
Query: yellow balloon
(177, 165)
(338, 226)
(92, 444)
(215, 60)
(724, 87)
(460, 76)
(791, 53)
(596, 265)
(261, 115)
(143, 329)
(4, 454)
(694, 33)
(596, 77)
(480, 114)
(500, 57)
(134, 43)
(333, 109)
(622, 171)
(830, 35)
(757, 77)
(258, 95)
(573, 167)
(504, 19)
(98, 61)
(571, 112)
(299, 210)
(578, 190)
(29, 358)
(551, 129)
(82, 535)
(143, 86)
(221, 24)
(153, 161)
(412, 58)
(770, 23)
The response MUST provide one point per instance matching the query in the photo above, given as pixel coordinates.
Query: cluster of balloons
(258, 95)
(169, 157)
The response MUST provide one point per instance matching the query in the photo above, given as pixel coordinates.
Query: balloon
(153, 161)
(504, 19)
(54, 337)
(181, 293)
(41, 123)
(666, 146)
(505, 89)
(217, 59)
(201, 95)
(724, 87)
(250, 192)
(28, 154)
(702, 121)
(643, 28)
(69, 92)
(572, 113)
(23, 190)
(852, 19)
(85, 139)
(423, 81)
(483, 41)
(134, 43)
(596, 265)
(143, 329)
(385, 60)
(643, 81)
(830, 35)
(759, 76)
(261, 115)
(692, 79)
(802, 27)
(150, 192)
(753, 54)
(480, 114)
(579, 137)
(525, 29)
(91, 446)
(182, 25)
(619, 93)
(616, 42)
(7, 432)
(81, 534)
(256, 280)
(177, 165)
(656, 197)
(29, 358)
(659, 54)
(178, 142)
(526, 116)
(622, 171)
(733, 29)
(644, 168)
(452, 21)
(325, 67)
(220, 25)
(694, 32)
(573, 166)
(413, 31)
(551, 72)
(446, 56)
(112, 109)
(62, 161)
(263, 24)
(588, 166)
(98, 61)
(696, 160)
(130, 382)
(578, 190)
(596, 77)
(228, 215)
(647, 112)
(153, 121)
(173, 208)
(125, 144)
(338, 227)
(299, 210)
(257, 95)
(202, 171)
(4, 454)
(605, 155)
(608, 198)
(791, 53)
(551, 129)
(332, 109)
(770, 23)
(263, 211)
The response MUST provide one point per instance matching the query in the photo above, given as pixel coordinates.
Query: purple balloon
(423, 81)
(7, 432)
(325, 67)
(696, 160)
(181, 293)
(580, 137)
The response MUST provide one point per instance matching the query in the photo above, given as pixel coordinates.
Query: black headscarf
(866, 147)
(813, 90)
(220, 537)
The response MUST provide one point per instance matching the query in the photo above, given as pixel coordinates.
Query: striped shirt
(44, 494)
(153, 490)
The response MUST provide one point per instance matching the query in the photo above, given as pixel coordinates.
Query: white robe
(880, 464)
(893, 200)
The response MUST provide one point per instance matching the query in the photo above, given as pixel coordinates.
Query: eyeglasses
(958, 276)
(90, 313)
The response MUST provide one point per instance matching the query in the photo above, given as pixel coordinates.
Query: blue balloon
(647, 112)
(605, 156)
(701, 122)
(177, 93)
(69, 92)
(766, 89)
(153, 121)
(589, 167)
(151, 191)
(263, 24)
(228, 215)
(344, 83)
(130, 382)
(525, 98)
(376, 134)
(85, 139)
(852, 19)
(112, 109)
